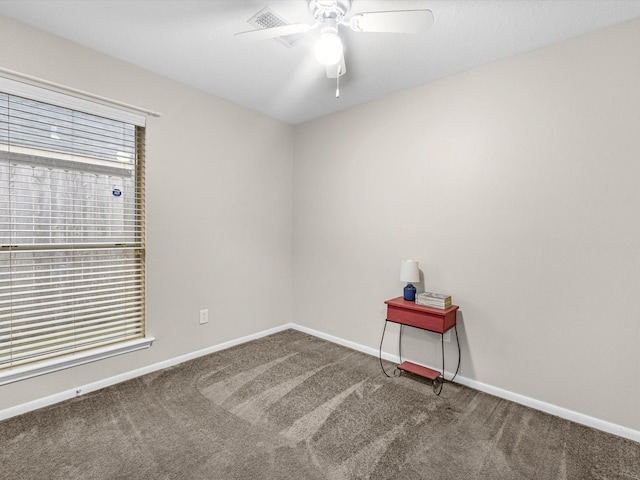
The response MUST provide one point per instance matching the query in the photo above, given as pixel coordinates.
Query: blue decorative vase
(410, 293)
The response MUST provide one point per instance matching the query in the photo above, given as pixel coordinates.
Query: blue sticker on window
(116, 192)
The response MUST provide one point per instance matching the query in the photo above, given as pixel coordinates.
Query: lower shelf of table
(419, 370)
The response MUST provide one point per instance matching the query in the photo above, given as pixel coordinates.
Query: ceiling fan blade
(400, 21)
(274, 32)
(337, 70)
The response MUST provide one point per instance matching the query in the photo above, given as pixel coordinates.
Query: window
(72, 237)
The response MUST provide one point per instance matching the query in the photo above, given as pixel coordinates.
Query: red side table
(408, 313)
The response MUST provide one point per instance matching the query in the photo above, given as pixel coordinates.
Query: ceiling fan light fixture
(329, 48)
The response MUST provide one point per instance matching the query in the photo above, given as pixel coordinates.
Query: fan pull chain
(338, 82)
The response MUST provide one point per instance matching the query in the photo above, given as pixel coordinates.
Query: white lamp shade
(409, 271)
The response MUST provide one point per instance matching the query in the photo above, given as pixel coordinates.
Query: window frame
(37, 367)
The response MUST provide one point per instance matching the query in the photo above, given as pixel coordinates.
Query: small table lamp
(409, 273)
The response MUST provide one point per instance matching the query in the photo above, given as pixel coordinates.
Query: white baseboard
(74, 392)
(561, 412)
(498, 392)
(495, 391)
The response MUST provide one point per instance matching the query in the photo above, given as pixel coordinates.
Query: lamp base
(410, 293)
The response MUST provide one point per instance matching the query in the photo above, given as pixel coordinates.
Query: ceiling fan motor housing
(333, 10)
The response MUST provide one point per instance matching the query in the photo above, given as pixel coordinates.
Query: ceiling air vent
(267, 18)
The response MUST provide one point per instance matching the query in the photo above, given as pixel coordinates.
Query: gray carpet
(292, 406)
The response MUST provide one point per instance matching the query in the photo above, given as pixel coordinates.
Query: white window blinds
(71, 226)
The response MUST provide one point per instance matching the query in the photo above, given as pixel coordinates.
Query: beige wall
(218, 208)
(516, 187)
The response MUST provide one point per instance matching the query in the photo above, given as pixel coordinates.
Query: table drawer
(434, 321)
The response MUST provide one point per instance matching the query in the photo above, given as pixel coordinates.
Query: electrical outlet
(447, 336)
(204, 316)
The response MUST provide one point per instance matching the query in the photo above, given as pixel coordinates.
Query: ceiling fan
(330, 15)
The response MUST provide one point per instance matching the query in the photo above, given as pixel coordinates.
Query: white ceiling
(193, 42)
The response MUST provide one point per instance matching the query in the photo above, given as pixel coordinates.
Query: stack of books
(434, 300)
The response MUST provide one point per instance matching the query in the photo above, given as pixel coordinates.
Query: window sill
(53, 365)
